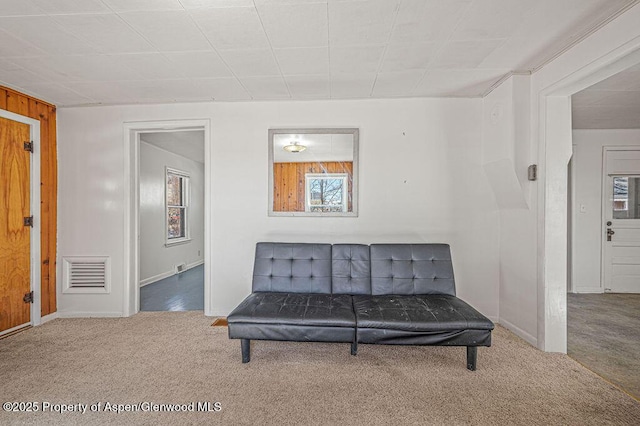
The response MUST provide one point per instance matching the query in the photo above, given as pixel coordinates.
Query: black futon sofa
(397, 294)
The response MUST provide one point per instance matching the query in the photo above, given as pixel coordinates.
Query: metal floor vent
(86, 274)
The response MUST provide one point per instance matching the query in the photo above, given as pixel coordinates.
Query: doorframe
(571, 211)
(34, 200)
(555, 140)
(132, 131)
(604, 191)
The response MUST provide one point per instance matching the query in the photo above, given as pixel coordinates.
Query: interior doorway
(170, 230)
(604, 298)
(171, 218)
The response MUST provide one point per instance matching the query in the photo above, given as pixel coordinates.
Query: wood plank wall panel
(18, 103)
(289, 182)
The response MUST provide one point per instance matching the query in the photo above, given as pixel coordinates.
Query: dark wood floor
(182, 292)
(604, 336)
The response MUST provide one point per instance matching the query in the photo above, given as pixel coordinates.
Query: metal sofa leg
(246, 350)
(354, 348)
(472, 357)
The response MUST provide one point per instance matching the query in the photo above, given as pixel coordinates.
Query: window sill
(177, 242)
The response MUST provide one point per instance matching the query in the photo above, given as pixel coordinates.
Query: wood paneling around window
(19, 103)
(289, 182)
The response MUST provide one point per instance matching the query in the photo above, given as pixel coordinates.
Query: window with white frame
(177, 205)
(326, 192)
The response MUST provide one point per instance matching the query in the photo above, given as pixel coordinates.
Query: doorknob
(610, 232)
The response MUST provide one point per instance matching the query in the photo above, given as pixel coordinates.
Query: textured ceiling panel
(427, 20)
(199, 64)
(106, 33)
(355, 59)
(137, 51)
(232, 27)
(142, 5)
(403, 57)
(266, 87)
(308, 86)
(611, 104)
(44, 33)
(296, 25)
(397, 83)
(222, 89)
(251, 63)
(299, 61)
(168, 30)
(361, 22)
(345, 86)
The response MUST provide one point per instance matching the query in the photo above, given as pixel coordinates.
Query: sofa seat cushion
(419, 313)
(295, 309)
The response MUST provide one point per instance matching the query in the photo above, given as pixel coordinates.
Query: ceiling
(89, 52)
(613, 103)
(187, 143)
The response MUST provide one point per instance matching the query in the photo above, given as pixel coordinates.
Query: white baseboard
(217, 314)
(155, 278)
(14, 329)
(48, 318)
(76, 314)
(168, 274)
(519, 332)
(588, 290)
(194, 264)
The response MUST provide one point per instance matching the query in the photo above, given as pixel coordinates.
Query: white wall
(540, 233)
(156, 260)
(587, 237)
(421, 180)
(506, 156)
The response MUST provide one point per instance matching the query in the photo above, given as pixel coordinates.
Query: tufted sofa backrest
(403, 269)
(408, 269)
(351, 269)
(292, 267)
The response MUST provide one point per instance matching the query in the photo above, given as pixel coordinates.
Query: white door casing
(621, 220)
(132, 131)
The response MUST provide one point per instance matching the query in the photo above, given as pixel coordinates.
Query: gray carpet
(604, 336)
(177, 357)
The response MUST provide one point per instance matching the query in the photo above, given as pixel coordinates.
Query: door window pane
(626, 197)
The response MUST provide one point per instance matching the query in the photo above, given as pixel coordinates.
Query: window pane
(174, 190)
(626, 197)
(176, 217)
(326, 192)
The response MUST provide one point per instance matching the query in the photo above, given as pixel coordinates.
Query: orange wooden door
(15, 247)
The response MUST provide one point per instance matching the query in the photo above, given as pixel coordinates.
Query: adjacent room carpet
(178, 358)
(603, 333)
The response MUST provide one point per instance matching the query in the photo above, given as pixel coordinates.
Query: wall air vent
(180, 268)
(86, 274)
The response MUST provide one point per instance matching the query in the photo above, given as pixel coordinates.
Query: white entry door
(621, 227)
